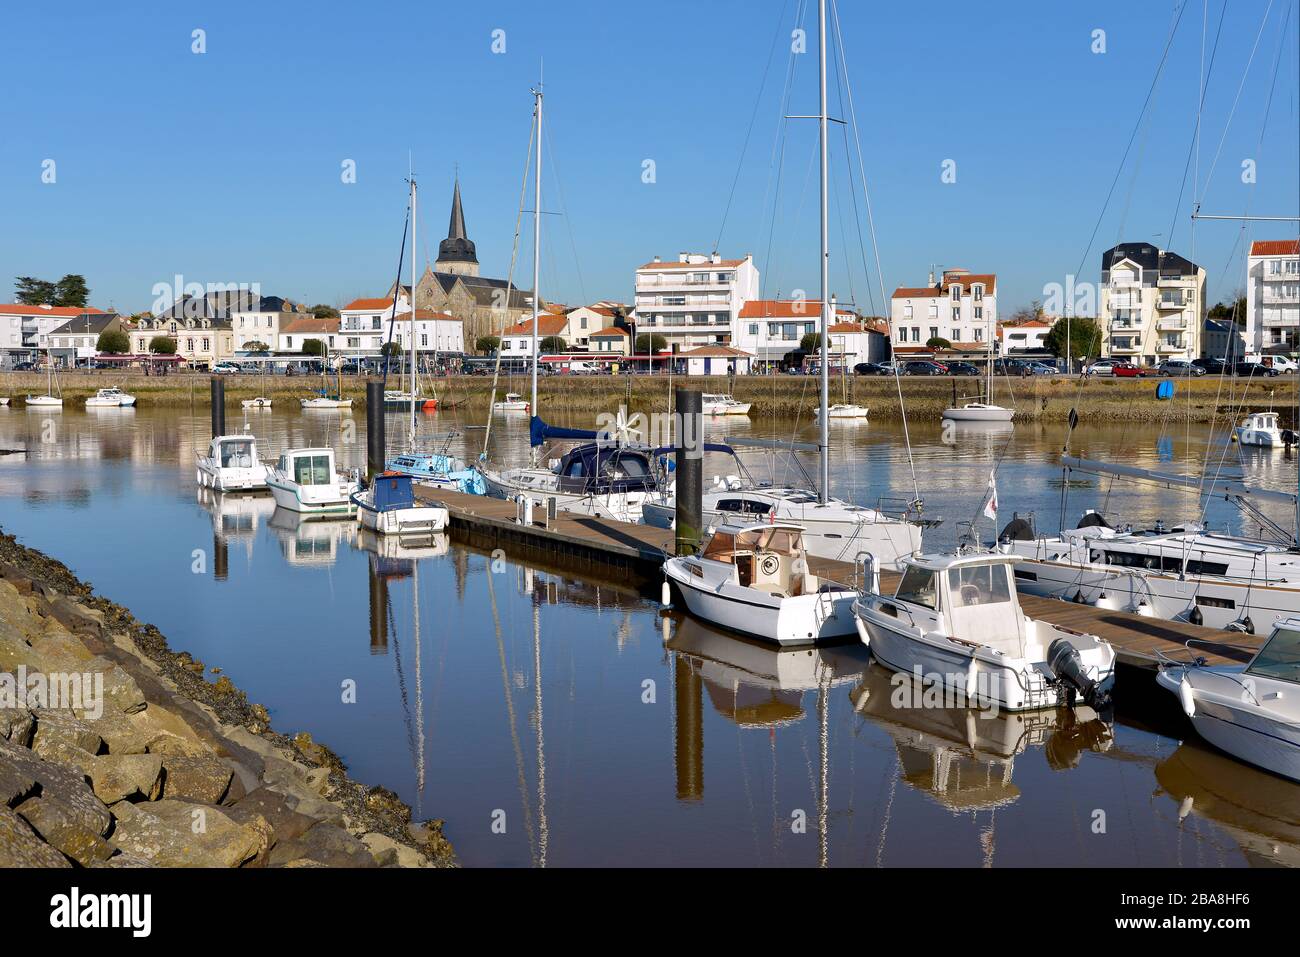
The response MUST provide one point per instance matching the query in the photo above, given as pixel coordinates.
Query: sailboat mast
(410, 435)
(537, 236)
(825, 438)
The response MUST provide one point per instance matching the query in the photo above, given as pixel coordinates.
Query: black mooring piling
(690, 470)
(374, 428)
(218, 406)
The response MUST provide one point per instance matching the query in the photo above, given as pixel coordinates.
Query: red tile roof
(727, 263)
(966, 280)
(309, 324)
(611, 332)
(1275, 247)
(71, 311)
(916, 292)
(547, 325)
(781, 309)
(719, 351)
(368, 305)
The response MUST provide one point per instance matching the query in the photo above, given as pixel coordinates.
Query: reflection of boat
(1260, 811)
(1260, 429)
(110, 399)
(305, 480)
(978, 412)
(754, 578)
(308, 542)
(956, 619)
(231, 463)
(404, 548)
(389, 507)
(717, 404)
(1251, 711)
(236, 514)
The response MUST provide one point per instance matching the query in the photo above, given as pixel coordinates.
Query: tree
(392, 349)
(313, 347)
(488, 344)
(937, 342)
(71, 290)
(1229, 312)
(1085, 338)
(162, 346)
(324, 312)
(553, 344)
(811, 342)
(33, 291)
(650, 343)
(256, 346)
(113, 342)
(1030, 312)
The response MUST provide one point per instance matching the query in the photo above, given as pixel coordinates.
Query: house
(199, 326)
(586, 321)
(517, 341)
(961, 307)
(1152, 304)
(295, 333)
(1273, 296)
(769, 329)
(855, 340)
(364, 324)
(24, 329)
(614, 340)
(257, 319)
(77, 340)
(1224, 340)
(1025, 337)
(436, 333)
(713, 360)
(695, 301)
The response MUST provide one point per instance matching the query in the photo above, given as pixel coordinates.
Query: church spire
(457, 248)
(456, 229)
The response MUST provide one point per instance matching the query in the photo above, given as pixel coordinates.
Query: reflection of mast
(419, 684)
(220, 557)
(823, 796)
(510, 710)
(541, 749)
(688, 729)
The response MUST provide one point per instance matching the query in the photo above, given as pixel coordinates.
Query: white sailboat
(980, 409)
(513, 402)
(844, 409)
(49, 401)
(324, 398)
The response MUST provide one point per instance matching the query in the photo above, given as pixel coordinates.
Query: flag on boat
(991, 497)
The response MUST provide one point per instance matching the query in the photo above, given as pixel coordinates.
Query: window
(907, 310)
(744, 506)
(205, 345)
(311, 470)
(934, 332)
(917, 587)
(979, 335)
(979, 312)
(1279, 658)
(955, 292)
(933, 311)
(582, 322)
(956, 315)
(424, 338)
(978, 585)
(753, 328)
(189, 345)
(977, 292)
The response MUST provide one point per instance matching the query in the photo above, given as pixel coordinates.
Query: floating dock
(608, 548)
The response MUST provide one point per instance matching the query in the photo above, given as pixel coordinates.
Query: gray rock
(20, 846)
(121, 735)
(59, 783)
(274, 808)
(119, 776)
(181, 834)
(16, 726)
(64, 827)
(327, 844)
(389, 853)
(61, 752)
(202, 779)
(63, 727)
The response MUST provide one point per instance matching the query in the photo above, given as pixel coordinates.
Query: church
(453, 285)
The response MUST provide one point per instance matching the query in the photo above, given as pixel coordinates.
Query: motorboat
(978, 412)
(231, 464)
(306, 481)
(1249, 711)
(843, 410)
(721, 404)
(753, 577)
(1261, 429)
(110, 398)
(513, 402)
(258, 402)
(388, 506)
(955, 622)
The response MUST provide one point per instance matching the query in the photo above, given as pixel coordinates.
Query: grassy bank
(1045, 398)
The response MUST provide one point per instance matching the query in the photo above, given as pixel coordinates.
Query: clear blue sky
(225, 167)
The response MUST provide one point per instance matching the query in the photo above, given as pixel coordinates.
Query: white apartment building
(1152, 305)
(436, 333)
(962, 307)
(767, 329)
(695, 301)
(25, 330)
(1273, 295)
(363, 324)
(1024, 336)
(259, 320)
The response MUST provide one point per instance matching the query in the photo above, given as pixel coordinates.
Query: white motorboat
(389, 507)
(1250, 711)
(260, 402)
(4, 401)
(978, 412)
(720, 404)
(306, 481)
(231, 464)
(843, 410)
(1260, 429)
(513, 402)
(110, 398)
(753, 578)
(955, 622)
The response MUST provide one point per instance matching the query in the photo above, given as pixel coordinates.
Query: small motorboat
(1261, 429)
(955, 621)
(719, 404)
(753, 578)
(389, 507)
(4, 401)
(306, 481)
(1250, 711)
(260, 402)
(231, 464)
(843, 410)
(978, 412)
(513, 402)
(110, 399)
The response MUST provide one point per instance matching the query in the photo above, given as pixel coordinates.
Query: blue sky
(225, 166)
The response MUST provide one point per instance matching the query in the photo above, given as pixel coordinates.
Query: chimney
(657, 259)
(683, 257)
(931, 282)
(715, 259)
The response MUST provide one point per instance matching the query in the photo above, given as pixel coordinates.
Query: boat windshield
(978, 585)
(311, 470)
(625, 467)
(237, 454)
(917, 586)
(1279, 658)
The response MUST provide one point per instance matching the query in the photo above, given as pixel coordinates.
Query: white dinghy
(956, 620)
(753, 578)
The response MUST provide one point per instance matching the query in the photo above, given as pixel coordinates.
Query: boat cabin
(234, 451)
(1260, 422)
(308, 466)
(1280, 657)
(393, 491)
(601, 468)
(768, 557)
(975, 594)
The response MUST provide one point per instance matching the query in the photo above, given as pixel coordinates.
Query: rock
(15, 653)
(62, 727)
(120, 734)
(119, 776)
(302, 862)
(59, 783)
(61, 647)
(16, 725)
(165, 732)
(276, 809)
(20, 846)
(389, 853)
(386, 804)
(181, 834)
(202, 779)
(120, 690)
(69, 755)
(64, 827)
(327, 844)
(76, 617)
(16, 782)
(316, 754)
(284, 779)
(122, 860)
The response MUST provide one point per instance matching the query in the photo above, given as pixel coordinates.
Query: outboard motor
(1063, 658)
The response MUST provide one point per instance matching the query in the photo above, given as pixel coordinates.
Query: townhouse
(25, 329)
(695, 301)
(1152, 305)
(1273, 296)
(768, 329)
(76, 342)
(961, 308)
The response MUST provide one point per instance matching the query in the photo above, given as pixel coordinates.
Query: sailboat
(982, 408)
(49, 400)
(324, 399)
(844, 409)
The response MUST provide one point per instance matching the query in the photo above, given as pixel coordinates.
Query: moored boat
(110, 398)
(1261, 429)
(389, 507)
(305, 481)
(721, 404)
(231, 464)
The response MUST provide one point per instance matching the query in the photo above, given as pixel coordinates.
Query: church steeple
(456, 253)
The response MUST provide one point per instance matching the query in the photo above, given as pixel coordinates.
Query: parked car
(1280, 363)
(1179, 367)
(24, 366)
(871, 368)
(922, 367)
(1007, 366)
(963, 368)
(1037, 368)
(1253, 370)
(225, 368)
(1128, 370)
(1212, 366)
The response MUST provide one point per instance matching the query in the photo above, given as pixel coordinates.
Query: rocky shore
(158, 764)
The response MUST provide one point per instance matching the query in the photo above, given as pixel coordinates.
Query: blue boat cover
(539, 432)
(393, 491)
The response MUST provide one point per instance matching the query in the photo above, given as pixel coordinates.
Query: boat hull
(314, 500)
(1259, 438)
(401, 521)
(979, 413)
(230, 479)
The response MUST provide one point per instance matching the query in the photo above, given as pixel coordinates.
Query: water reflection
(311, 541)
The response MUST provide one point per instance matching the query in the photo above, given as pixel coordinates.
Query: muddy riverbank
(149, 758)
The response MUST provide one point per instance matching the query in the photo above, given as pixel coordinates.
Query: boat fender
(1242, 626)
(1064, 661)
(1105, 602)
(1078, 598)
(1145, 610)
(666, 596)
(1187, 697)
(1195, 617)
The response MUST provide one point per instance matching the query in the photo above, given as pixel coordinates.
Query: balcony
(1125, 348)
(1280, 298)
(1171, 281)
(1171, 323)
(1125, 325)
(1164, 347)
(1170, 302)
(1125, 302)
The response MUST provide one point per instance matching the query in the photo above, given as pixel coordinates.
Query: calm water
(599, 733)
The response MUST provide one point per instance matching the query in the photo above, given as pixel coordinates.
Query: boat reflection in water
(236, 517)
(964, 758)
(1258, 810)
(311, 541)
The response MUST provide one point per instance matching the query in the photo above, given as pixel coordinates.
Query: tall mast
(537, 236)
(825, 438)
(410, 435)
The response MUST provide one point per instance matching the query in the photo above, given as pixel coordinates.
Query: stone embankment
(140, 759)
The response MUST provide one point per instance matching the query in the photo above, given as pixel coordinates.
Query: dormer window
(977, 293)
(955, 291)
